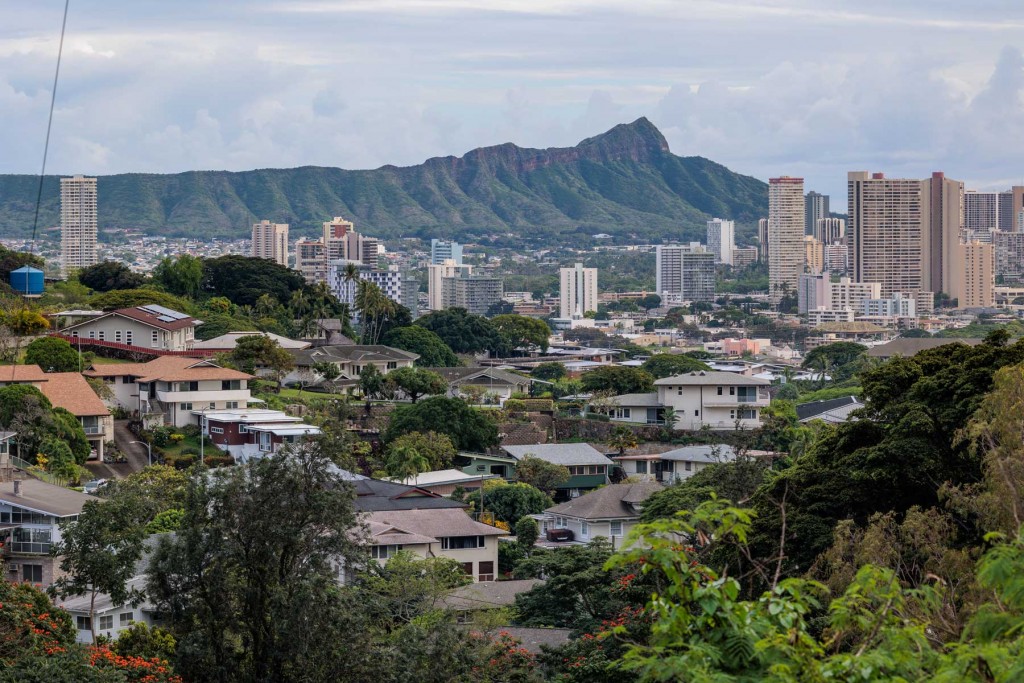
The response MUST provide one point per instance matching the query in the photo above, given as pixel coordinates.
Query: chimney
(17, 488)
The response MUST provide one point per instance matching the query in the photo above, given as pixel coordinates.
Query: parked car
(94, 485)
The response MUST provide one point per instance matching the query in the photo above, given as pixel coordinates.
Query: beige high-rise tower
(78, 223)
(974, 277)
(885, 232)
(577, 292)
(785, 236)
(942, 215)
(270, 241)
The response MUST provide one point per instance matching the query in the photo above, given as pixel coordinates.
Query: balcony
(28, 548)
(93, 430)
(204, 396)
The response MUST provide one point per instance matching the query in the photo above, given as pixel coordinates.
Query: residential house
(717, 400)
(349, 359)
(676, 464)
(436, 532)
(31, 515)
(610, 512)
(226, 343)
(22, 374)
(490, 386)
(377, 495)
(832, 411)
(148, 327)
(444, 482)
(588, 467)
(70, 391)
(172, 387)
(480, 464)
(253, 432)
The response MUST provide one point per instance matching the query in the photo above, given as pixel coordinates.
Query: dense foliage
(469, 429)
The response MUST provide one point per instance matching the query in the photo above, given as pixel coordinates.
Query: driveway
(138, 455)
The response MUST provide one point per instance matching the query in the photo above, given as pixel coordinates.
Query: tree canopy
(468, 428)
(243, 280)
(510, 502)
(108, 275)
(520, 331)
(432, 351)
(669, 364)
(618, 379)
(417, 382)
(53, 355)
(462, 331)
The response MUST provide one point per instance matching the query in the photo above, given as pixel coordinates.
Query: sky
(810, 88)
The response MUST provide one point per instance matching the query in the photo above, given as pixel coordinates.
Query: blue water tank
(27, 281)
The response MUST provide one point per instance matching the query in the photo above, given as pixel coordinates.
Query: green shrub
(180, 462)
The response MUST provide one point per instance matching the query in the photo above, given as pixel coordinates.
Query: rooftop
(352, 353)
(22, 374)
(640, 400)
(228, 341)
(435, 523)
(560, 453)
(832, 410)
(46, 498)
(616, 501)
(488, 594)
(439, 477)
(908, 346)
(711, 377)
(70, 391)
(168, 369)
(376, 495)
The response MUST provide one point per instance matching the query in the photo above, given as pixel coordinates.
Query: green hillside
(624, 182)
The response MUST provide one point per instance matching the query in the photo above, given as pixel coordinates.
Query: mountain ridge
(625, 182)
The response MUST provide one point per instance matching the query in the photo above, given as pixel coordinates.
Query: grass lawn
(306, 395)
(109, 361)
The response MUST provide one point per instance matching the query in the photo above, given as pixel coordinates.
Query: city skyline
(905, 90)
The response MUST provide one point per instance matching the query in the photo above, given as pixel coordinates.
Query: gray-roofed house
(588, 467)
(445, 532)
(832, 411)
(228, 342)
(610, 511)
(493, 385)
(350, 359)
(375, 495)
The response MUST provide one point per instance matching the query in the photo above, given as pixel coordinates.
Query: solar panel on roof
(164, 311)
(166, 318)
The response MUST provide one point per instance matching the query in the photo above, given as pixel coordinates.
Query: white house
(610, 511)
(253, 432)
(110, 618)
(674, 465)
(146, 327)
(349, 359)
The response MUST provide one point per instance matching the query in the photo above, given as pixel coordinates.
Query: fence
(36, 473)
(90, 343)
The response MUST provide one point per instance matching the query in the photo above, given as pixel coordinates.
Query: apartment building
(684, 273)
(339, 241)
(785, 236)
(744, 256)
(721, 239)
(812, 292)
(391, 281)
(475, 293)
(78, 223)
(899, 305)
(577, 293)
(847, 294)
(815, 209)
(829, 230)
(270, 241)
(436, 273)
(1009, 255)
(445, 250)
(814, 255)
(975, 278)
(762, 240)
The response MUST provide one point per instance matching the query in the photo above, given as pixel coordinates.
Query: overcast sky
(766, 87)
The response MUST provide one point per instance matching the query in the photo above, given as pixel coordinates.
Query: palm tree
(374, 308)
(621, 439)
(265, 306)
(669, 417)
(299, 303)
(405, 462)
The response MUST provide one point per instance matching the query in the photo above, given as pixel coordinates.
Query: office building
(814, 255)
(815, 209)
(974, 280)
(762, 240)
(445, 250)
(885, 232)
(744, 256)
(785, 236)
(270, 241)
(577, 291)
(684, 273)
(812, 292)
(829, 230)
(721, 239)
(78, 223)
(899, 305)
(475, 293)
(847, 294)
(822, 316)
(1009, 255)
(436, 275)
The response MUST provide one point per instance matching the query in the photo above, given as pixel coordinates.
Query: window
(468, 568)
(265, 444)
(615, 528)
(392, 365)
(117, 336)
(486, 571)
(719, 391)
(732, 391)
(75, 333)
(92, 334)
(127, 618)
(230, 384)
(383, 552)
(32, 573)
(212, 405)
(584, 530)
(83, 623)
(155, 338)
(216, 430)
(679, 390)
(107, 622)
(128, 337)
(623, 413)
(688, 466)
(696, 413)
(747, 394)
(461, 542)
(641, 467)
(231, 405)
(746, 414)
(102, 335)
(185, 406)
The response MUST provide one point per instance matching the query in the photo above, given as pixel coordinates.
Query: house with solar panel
(149, 327)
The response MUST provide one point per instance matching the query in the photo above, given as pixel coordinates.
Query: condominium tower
(815, 208)
(785, 236)
(78, 223)
(685, 273)
(577, 293)
(444, 250)
(762, 240)
(270, 241)
(721, 239)
(435, 278)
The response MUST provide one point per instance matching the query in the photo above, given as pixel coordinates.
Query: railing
(87, 341)
(28, 548)
(98, 429)
(34, 471)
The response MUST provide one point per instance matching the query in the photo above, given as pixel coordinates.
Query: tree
(520, 331)
(140, 640)
(432, 351)
(25, 322)
(181, 276)
(541, 474)
(468, 429)
(328, 370)
(372, 384)
(98, 554)
(107, 275)
(405, 462)
(839, 359)
(618, 379)
(462, 331)
(53, 355)
(527, 533)
(649, 301)
(510, 502)
(130, 298)
(249, 583)
(549, 372)
(669, 364)
(436, 448)
(258, 351)
(243, 280)
(414, 382)
(374, 308)
(621, 439)
(11, 260)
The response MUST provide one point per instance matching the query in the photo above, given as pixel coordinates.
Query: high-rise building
(762, 240)
(577, 292)
(1009, 248)
(78, 223)
(721, 239)
(475, 293)
(814, 255)
(343, 242)
(812, 292)
(445, 250)
(973, 281)
(270, 241)
(899, 305)
(829, 230)
(390, 281)
(942, 213)
(744, 256)
(981, 210)
(815, 208)
(847, 294)
(684, 273)
(835, 258)
(435, 277)
(785, 236)
(311, 260)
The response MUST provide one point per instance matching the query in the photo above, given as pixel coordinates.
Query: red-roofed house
(70, 391)
(148, 327)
